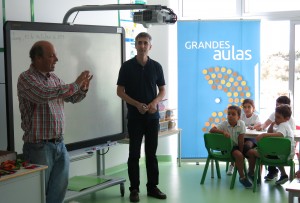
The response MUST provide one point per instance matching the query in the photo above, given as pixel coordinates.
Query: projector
(157, 17)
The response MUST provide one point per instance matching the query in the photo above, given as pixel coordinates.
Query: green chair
(270, 147)
(219, 149)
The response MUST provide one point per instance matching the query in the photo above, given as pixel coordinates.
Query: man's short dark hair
(143, 34)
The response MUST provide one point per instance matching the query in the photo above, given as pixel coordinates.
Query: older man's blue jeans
(56, 157)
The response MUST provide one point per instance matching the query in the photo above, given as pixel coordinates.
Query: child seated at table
(273, 171)
(234, 128)
(280, 100)
(249, 116)
(283, 113)
(252, 121)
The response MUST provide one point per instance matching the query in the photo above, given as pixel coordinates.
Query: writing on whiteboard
(36, 36)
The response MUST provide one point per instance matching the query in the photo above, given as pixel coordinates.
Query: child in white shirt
(272, 171)
(283, 113)
(252, 121)
(249, 116)
(234, 128)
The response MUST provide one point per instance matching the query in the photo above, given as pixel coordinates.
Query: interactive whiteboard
(99, 118)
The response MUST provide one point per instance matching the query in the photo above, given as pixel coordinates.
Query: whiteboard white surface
(2, 73)
(100, 114)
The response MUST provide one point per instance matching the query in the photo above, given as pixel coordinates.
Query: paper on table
(78, 183)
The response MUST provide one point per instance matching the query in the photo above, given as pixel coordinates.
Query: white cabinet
(26, 185)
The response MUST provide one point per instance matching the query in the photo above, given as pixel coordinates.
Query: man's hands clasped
(83, 80)
(143, 108)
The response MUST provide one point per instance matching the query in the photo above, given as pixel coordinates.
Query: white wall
(164, 50)
(54, 11)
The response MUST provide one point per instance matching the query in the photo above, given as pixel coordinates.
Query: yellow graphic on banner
(236, 89)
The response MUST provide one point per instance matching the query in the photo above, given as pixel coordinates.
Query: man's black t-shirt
(141, 84)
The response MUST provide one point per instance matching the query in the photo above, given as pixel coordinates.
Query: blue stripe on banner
(217, 61)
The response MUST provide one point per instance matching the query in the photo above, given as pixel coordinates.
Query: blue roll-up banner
(218, 66)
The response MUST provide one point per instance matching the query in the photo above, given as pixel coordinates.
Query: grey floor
(182, 185)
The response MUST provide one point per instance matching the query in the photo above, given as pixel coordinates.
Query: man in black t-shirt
(139, 79)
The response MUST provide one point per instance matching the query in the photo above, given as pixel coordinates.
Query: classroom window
(297, 76)
(208, 9)
(257, 6)
(274, 72)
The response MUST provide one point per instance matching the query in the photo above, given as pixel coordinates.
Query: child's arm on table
(264, 125)
(256, 126)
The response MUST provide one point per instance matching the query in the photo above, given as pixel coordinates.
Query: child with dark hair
(249, 116)
(283, 114)
(252, 121)
(272, 171)
(280, 100)
(234, 128)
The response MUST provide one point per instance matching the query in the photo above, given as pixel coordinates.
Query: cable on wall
(32, 10)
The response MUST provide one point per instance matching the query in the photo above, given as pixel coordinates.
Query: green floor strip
(79, 183)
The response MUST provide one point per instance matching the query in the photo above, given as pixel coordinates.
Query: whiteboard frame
(36, 26)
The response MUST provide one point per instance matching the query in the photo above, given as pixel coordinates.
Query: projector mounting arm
(154, 14)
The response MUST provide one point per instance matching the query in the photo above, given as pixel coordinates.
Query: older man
(41, 101)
